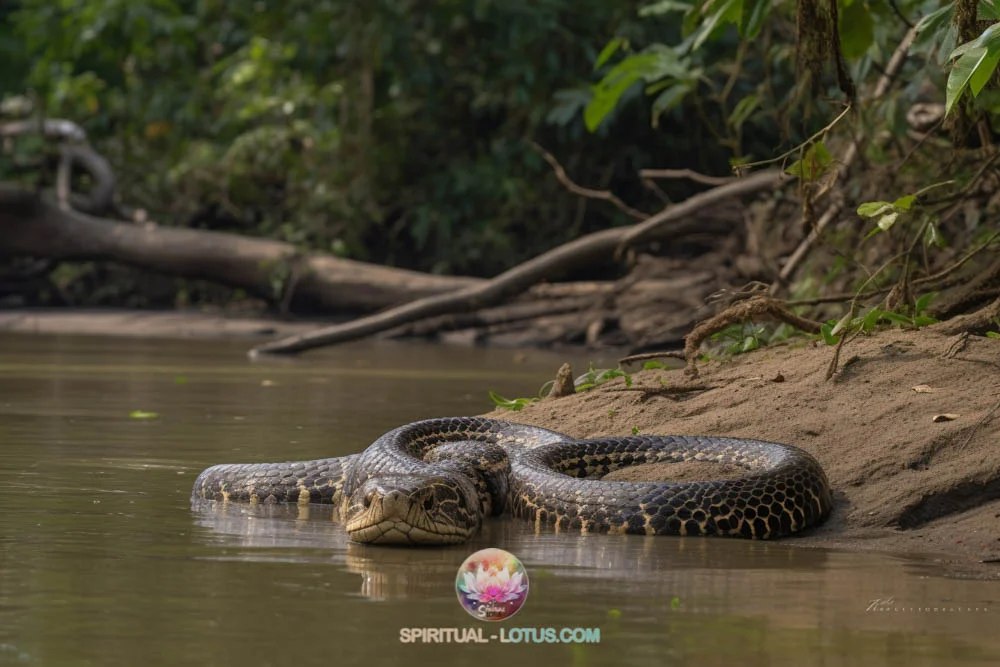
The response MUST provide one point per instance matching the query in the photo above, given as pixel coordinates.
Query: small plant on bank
(832, 331)
(589, 380)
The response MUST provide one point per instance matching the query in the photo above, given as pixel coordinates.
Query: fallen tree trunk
(33, 224)
(580, 252)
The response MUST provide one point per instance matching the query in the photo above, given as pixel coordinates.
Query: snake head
(413, 509)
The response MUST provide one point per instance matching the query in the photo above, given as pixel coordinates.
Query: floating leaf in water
(675, 603)
(180, 379)
(142, 414)
(614, 613)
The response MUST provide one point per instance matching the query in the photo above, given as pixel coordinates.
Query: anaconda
(435, 481)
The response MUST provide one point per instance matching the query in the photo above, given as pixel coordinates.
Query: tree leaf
(813, 164)
(904, 203)
(988, 10)
(667, 100)
(753, 15)
(872, 208)
(886, 222)
(924, 301)
(664, 7)
(742, 111)
(857, 30)
(981, 75)
(963, 70)
(609, 50)
(728, 10)
(841, 324)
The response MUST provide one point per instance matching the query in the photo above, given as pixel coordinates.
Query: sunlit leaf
(963, 71)
(904, 203)
(886, 222)
(872, 208)
(982, 74)
(664, 7)
(726, 10)
(609, 50)
(841, 324)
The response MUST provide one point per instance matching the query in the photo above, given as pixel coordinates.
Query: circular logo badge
(492, 584)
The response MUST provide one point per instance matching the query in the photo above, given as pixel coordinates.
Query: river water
(104, 561)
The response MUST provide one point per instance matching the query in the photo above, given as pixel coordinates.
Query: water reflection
(103, 561)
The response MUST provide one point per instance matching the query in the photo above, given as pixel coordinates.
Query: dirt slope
(903, 482)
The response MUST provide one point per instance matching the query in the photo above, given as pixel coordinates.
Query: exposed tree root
(980, 321)
(754, 309)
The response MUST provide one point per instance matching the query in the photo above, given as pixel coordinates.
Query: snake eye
(429, 502)
(368, 499)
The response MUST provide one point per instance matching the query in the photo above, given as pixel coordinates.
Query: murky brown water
(103, 560)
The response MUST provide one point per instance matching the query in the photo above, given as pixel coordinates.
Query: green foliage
(976, 62)
(815, 162)
(514, 404)
(589, 380)
(596, 376)
(832, 331)
(748, 336)
(885, 214)
(719, 53)
(384, 131)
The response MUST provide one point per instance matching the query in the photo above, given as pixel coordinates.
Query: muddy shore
(903, 482)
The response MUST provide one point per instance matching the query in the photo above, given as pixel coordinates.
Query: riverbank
(906, 479)
(150, 323)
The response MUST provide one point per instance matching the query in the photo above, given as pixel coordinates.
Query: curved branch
(591, 248)
(101, 195)
(652, 226)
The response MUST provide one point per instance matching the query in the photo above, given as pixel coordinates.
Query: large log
(586, 250)
(33, 224)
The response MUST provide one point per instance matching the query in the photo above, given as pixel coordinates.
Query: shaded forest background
(390, 132)
(423, 134)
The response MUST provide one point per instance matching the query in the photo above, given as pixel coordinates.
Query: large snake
(434, 482)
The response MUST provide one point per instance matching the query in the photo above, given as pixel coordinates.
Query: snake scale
(434, 482)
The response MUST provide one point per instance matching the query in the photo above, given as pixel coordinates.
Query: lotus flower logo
(492, 584)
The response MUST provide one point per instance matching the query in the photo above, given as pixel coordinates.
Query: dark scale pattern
(547, 477)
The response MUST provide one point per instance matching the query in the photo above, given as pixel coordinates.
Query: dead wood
(582, 252)
(980, 321)
(35, 225)
(754, 309)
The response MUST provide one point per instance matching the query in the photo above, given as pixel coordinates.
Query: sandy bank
(903, 482)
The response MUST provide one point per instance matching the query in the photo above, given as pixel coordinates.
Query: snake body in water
(435, 481)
